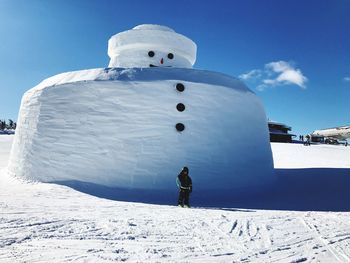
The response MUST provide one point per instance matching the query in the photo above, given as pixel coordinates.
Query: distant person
(307, 142)
(184, 183)
(346, 143)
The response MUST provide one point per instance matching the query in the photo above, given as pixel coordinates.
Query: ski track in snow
(51, 223)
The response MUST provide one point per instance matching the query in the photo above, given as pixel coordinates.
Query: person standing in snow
(308, 137)
(184, 183)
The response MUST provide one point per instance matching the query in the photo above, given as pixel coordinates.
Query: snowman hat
(153, 37)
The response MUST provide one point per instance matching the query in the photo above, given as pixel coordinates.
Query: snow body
(116, 127)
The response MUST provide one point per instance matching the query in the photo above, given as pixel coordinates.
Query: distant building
(340, 133)
(317, 138)
(279, 132)
(7, 131)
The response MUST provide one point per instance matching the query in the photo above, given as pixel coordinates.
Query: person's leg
(187, 197)
(181, 198)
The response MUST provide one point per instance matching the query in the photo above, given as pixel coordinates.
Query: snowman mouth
(154, 66)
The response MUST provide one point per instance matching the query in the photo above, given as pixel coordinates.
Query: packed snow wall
(118, 128)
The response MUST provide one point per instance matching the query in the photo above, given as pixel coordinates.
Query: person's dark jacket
(184, 182)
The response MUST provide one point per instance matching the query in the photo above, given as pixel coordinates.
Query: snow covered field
(294, 156)
(52, 223)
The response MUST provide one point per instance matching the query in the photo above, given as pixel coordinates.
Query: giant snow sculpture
(134, 124)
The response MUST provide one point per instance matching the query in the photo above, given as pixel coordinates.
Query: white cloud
(347, 79)
(287, 74)
(253, 74)
(278, 73)
(279, 66)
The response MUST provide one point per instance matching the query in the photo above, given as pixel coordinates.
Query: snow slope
(5, 147)
(315, 156)
(50, 223)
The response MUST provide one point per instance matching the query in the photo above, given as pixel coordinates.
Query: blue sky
(294, 54)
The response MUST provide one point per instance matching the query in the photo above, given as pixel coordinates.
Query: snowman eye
(170, 56)
(151, 53)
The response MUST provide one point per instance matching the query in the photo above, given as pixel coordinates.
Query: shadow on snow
(314, 189)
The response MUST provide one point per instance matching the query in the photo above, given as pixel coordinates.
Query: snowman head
(151, 46)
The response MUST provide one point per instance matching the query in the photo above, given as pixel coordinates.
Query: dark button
(151, 53)
(180, 107)
(179, 127)
(170, 56)
(180, 87)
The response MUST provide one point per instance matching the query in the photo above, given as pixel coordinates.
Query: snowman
(151, 46)
(134, 125)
